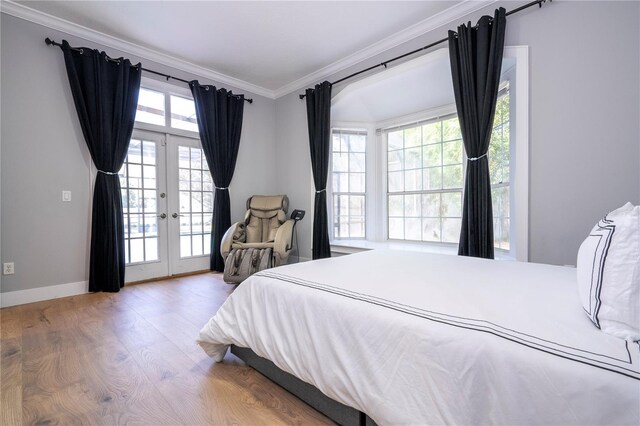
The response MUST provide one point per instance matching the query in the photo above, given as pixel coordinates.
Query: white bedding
(416, 338)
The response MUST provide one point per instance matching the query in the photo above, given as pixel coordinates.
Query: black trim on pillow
(597, 270)
(593, 271)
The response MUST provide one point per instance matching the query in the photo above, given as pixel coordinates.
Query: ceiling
(270, 44)
(418, 85)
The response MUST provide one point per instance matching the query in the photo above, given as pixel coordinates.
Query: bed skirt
(339, 413)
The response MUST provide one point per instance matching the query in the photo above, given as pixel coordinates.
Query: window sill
(342, 247)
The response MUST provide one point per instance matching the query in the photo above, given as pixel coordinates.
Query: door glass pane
(196, 198)
(139, 200)
(149, 153)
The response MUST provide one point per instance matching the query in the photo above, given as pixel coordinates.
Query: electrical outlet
(66, 196)
(7, 268)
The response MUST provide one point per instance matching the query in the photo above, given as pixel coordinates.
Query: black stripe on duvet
(579, 355)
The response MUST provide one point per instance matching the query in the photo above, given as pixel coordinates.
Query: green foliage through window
(425, 178)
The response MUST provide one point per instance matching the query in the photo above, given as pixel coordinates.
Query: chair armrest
(234, 234)
(282, 242)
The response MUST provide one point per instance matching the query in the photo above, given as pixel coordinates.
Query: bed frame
(336, 411)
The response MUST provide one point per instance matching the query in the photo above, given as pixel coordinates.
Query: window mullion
(167, 108)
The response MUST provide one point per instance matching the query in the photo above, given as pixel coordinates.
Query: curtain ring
(81, 51)
(206, 88)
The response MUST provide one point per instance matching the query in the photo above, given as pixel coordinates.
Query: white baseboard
(20, 297)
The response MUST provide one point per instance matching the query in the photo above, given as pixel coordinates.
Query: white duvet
(415, 338)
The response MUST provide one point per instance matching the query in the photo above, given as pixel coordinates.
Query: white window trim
(167, 89)
(369, 201)
(518, 77)
(434, 114)
(330, 216)
(376, 203)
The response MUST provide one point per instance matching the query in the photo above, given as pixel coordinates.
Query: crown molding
(28, 14)
(447, 16)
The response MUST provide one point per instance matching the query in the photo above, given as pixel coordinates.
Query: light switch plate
(66, 196)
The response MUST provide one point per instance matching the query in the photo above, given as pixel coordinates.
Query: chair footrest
(243, 262)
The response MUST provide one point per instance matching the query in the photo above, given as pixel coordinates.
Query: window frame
(518, 77)
(376, 187)
(167, 89)
(505, 90)
(203, 169)
(331, 217)
(157, 140)
(163, 134)
(444, 113)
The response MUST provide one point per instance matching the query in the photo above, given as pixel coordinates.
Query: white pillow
(608, 270)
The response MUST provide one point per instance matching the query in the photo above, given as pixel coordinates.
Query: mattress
(418, 338)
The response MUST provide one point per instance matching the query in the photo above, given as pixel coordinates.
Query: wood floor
(131, 358)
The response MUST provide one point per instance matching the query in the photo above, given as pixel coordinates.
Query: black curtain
(319, 122)
(219, 115)
(476, 60)
(105, 93)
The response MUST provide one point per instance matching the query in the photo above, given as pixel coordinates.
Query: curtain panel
(105, 93)
(476, 60)
(319, 122)
(219, 114)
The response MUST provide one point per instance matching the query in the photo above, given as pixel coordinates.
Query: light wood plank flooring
(131, 358)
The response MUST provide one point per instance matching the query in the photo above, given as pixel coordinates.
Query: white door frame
(159, 268)
(178, 265)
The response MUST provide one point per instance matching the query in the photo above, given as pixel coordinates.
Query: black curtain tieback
(226, 188)
(108, 173)
(322, 190)
(477, 158)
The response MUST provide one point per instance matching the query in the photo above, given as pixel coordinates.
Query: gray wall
(43, 152)
(584, 120)
(584, 138)
(294, 176)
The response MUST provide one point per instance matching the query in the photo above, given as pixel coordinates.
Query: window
(165, 109)
(416, 162)
(424, 181)
(139, 204)
(196, 202)
(499, 156)
(150, 107)
(348, 173)
(183, 114)
(165, 117)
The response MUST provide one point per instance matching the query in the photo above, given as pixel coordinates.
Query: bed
(417, 338)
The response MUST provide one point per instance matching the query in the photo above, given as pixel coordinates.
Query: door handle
(162, 216)
(175, 215)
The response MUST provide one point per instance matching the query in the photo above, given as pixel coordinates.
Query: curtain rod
(167, 76)
(384, 64)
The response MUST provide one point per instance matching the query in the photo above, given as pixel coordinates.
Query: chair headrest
(268, 203)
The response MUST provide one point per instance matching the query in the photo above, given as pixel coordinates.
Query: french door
(167, 197)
